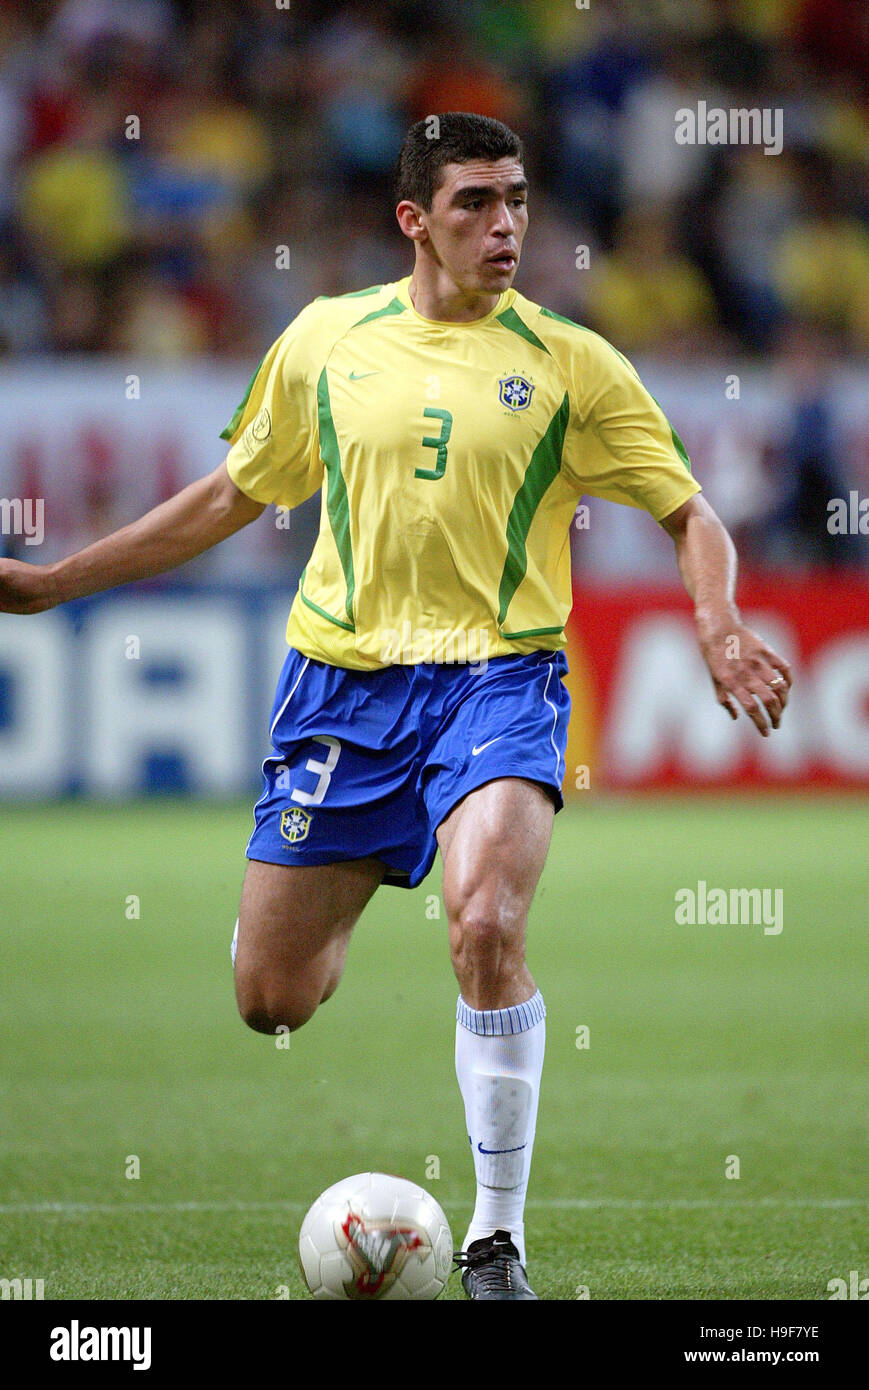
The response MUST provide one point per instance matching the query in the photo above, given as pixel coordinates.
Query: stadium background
(176, 181)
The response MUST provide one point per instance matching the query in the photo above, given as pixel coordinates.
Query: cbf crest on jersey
(295, 824)
(515, 392)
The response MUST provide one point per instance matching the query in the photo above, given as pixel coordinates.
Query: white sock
(499, 1060)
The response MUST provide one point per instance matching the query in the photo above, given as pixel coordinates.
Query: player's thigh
(494, 845)
(295, 923)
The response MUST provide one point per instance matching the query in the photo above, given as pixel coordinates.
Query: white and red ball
(375, 1236)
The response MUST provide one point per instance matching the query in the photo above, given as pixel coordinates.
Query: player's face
(477, 222)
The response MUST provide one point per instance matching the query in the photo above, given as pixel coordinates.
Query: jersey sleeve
(274, 454)
(619, 444)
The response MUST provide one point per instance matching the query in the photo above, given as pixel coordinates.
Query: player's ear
(411, 220)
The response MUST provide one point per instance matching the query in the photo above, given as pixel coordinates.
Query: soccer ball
(375, 1236)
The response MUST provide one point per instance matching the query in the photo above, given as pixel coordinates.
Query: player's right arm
(187, 524)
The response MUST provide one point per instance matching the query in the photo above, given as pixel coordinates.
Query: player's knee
(485, 926)
(274, 1013)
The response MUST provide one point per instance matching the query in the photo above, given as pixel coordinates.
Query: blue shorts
(370, 762)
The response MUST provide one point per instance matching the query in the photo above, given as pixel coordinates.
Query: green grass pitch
(119, 1037)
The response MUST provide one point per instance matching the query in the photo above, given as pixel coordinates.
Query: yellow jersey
(451, 457)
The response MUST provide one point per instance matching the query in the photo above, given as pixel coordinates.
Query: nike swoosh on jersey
(358, 376)
(500, 1151)
(475, 751)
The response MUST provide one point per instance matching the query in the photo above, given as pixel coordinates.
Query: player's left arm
(745, 670)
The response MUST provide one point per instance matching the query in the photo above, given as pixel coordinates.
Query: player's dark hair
(451, 138)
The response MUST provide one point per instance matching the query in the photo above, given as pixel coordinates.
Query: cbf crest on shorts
(295, 825)
(515, 392)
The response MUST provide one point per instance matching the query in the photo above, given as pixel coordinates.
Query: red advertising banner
(644, 709)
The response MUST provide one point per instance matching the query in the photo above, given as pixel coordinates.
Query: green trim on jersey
(354, 294)
(510, 319)
(679, 447)
(541, 472)
(532, 632)
(394, 306)
(234, 423)
(337, 506)
(677, 442)
(348, 627)
(551, 314)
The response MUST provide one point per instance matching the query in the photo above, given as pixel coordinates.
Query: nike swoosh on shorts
(475, 751)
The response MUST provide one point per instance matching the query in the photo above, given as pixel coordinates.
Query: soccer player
(452, 426)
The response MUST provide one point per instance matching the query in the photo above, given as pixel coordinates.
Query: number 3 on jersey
(439, 443)
(323, 769)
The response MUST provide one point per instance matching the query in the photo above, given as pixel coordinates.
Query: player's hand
(25, 588)
(746, 672)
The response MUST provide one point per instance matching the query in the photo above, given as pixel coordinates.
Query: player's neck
(438, 297)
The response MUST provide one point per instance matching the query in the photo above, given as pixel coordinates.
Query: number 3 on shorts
(325, 771)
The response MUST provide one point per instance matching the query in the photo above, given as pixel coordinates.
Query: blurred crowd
(181, 177)
(178, 178)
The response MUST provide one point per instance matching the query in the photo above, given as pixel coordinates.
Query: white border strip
(554, 723)
(288, 699)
